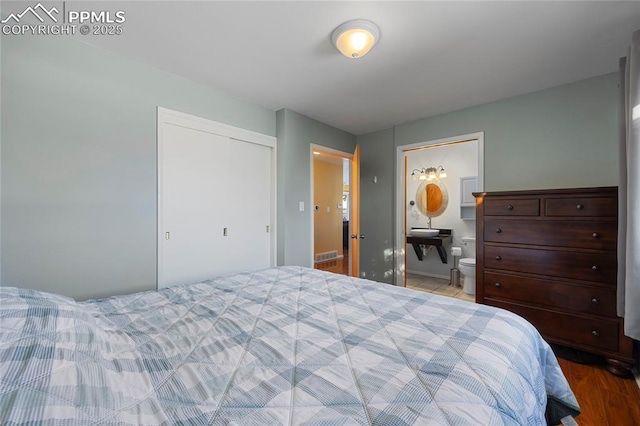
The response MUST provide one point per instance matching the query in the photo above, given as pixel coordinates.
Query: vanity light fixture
(355, 38)
(429, 173)
(419, 174)
(442, 174)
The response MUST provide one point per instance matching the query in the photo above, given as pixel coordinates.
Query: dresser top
(537, 192)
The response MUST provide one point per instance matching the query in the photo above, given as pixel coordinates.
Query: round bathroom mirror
(432, 198)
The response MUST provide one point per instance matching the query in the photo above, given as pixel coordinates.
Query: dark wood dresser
(550, 256)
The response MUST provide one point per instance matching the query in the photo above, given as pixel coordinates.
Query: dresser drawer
(511, 207)
(583, 331)
(582, 207)
(553, 294)
(594, 267)
(592, 235)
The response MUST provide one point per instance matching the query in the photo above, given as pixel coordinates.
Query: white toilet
(467, 265)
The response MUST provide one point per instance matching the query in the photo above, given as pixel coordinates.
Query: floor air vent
(325, 257)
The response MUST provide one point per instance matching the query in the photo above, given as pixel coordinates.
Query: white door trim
(400, 219)
(193, 122)
(177, 118)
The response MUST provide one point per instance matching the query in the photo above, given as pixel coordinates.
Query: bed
(280, 346)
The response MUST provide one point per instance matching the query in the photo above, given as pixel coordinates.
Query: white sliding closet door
(195, 170)
(216, 199)
(249, 204)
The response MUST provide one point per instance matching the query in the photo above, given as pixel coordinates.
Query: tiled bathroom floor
(437, 286)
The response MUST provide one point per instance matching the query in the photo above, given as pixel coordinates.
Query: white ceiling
(432, 57)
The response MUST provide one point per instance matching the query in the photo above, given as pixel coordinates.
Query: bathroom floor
(437, 286)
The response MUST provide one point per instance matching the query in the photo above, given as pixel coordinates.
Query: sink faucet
(429, 222)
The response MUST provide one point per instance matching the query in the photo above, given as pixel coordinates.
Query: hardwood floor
(605, 399)
(339, 266)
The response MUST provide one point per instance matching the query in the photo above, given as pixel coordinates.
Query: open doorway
(462, 158)
(331, 193)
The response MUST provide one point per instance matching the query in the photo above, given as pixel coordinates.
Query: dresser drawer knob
(509, 207)
(594, 301)
(497, 285)
(595, 235)
(594, 268)
(595, 333)
(579, 207)
(498, 230)
(498, 257)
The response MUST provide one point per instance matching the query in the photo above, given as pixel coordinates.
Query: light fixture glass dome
(355, 38)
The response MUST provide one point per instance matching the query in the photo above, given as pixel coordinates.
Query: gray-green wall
(563, 137)
(377, 218)
(78, 159)
(296, 133)
(79, 163)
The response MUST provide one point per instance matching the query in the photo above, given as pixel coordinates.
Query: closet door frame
(176, 118)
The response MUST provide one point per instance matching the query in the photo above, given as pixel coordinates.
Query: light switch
(301, 206)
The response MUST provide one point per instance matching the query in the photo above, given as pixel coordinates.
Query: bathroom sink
(424, 232)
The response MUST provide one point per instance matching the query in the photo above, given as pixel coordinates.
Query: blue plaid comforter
(281, 346)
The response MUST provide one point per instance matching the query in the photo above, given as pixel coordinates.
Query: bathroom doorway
(442, 167)
(332, 209)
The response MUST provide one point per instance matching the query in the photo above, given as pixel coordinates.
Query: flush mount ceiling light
(355, 38)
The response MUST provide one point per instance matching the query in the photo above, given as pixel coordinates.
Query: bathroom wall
(458, 160)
